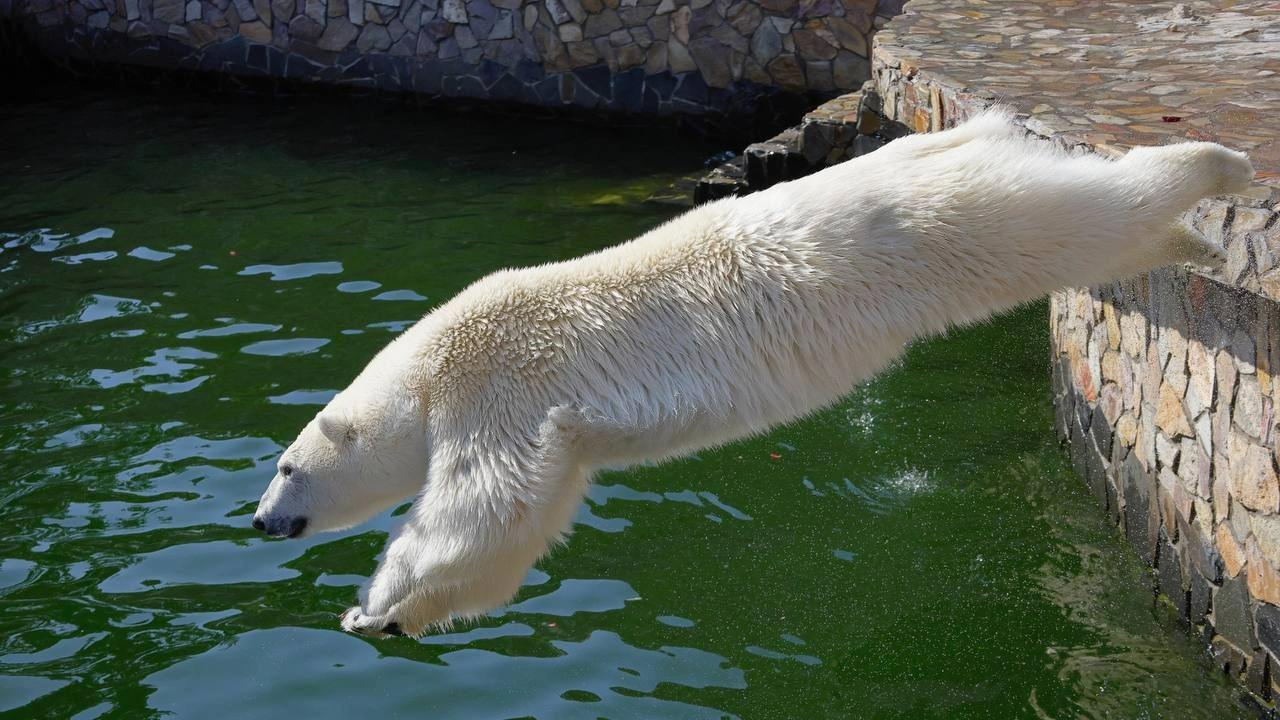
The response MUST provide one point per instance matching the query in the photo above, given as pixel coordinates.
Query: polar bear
(496, 408)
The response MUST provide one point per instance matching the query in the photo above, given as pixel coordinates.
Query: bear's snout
(290, 527)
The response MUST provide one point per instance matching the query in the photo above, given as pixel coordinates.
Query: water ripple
(294, 271)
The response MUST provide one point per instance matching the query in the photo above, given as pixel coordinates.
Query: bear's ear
(337, 426)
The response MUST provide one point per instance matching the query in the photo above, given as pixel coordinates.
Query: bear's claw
(354, 620)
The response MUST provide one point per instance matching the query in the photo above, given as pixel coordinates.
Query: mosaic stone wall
(1165, 385)
(1166, 393)
(630, 56)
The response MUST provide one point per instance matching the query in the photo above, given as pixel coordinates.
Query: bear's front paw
(355, 621)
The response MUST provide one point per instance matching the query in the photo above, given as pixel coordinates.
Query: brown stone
(1111, 372)
(847, 35)
(786, 72)
(302, 27)
(656, 59)
(1110, 403)
(1127, 430)
(744, 17)
(712, 60)
(201, 33)
(337, 34)
(1170, 416)
(256, 31)
(1253, 476)
(570, 32)
(582, 54)
(601, 23)
(1233, 557)
(1112, 322)
(630, 56)
(679, 58)
(812, 46)
(1264, 581)
(1266, 530)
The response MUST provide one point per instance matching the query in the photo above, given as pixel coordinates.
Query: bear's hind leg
(992, 123)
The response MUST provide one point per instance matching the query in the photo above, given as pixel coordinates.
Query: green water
(182, 283)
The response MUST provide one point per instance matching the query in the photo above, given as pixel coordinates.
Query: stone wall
(1165, 385)
(627, 56)
(1165, 392)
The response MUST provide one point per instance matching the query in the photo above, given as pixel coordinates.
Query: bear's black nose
(258, 524)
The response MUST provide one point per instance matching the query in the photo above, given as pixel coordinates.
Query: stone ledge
(1099, 76)
(841, 128)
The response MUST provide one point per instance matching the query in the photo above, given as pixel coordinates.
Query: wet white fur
(739, 315)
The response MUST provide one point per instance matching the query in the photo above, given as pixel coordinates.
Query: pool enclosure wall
(1165, 384)
(654, 57)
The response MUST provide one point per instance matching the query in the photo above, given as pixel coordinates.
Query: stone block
(1263, 578)
(1267, 624)
(1139, 511)
(337, 35)
(1169, 575)
(303, 27)
(766, 43)
(1232, 618)
(1252, 476)
(678, 58)
(169, 11)
(454, 11)
(712, 60)
(601, 24)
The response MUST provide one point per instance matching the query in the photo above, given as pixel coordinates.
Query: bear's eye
(286, 470)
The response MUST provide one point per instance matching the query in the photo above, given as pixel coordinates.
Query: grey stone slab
(1231, 616)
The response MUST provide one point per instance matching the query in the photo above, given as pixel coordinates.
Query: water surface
(183, 283)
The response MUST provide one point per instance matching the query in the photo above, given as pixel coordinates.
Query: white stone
(193, 11)
(570, 32)
(1166, 450)
(455, 11)
(1248, 411)
(558, 14)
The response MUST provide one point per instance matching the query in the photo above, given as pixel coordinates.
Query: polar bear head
(363, 452)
